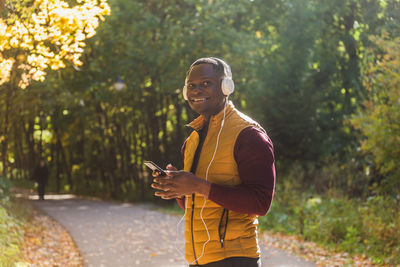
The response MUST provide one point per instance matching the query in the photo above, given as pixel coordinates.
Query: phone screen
(154, 167)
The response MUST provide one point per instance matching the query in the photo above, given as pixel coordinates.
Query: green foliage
(301, 68)
(370, 227)
(5, 185)
(330, 176)
(378, 119)
(13, 217)
(310, 71)
(99, 135)
(297, 66)
(330, 221)
(11, 236)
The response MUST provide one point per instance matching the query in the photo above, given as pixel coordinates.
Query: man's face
(204, 90)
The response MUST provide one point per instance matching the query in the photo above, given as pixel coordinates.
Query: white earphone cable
(205, 199)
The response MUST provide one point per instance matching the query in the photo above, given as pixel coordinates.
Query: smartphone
(154, 167)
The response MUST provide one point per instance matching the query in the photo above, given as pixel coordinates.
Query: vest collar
(198, 123)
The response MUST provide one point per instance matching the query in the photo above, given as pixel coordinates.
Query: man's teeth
(199, 99)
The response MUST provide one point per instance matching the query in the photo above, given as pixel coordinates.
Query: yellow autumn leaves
(45, 34)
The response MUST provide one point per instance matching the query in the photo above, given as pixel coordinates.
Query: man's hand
(178, 184)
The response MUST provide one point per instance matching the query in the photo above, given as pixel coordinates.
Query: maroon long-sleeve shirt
(254, 155)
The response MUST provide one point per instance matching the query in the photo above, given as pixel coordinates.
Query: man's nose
(196, 88)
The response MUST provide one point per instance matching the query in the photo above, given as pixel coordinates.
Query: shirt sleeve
(254, 155)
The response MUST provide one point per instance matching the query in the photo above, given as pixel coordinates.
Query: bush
(5, 185)
(378, 118)
(11, 236)
(13, 216)
(329, 176)
(380, 217)
(369, 227)
(334, 222)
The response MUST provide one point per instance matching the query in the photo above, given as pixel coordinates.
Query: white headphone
(227, 84)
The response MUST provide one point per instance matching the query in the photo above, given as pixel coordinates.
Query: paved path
(120, 234)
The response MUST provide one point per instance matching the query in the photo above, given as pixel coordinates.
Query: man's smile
(199, 99)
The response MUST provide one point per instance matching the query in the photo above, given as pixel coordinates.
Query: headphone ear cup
(227, 86)
(184, 92)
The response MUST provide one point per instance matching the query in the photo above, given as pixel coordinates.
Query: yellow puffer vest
(240, 238)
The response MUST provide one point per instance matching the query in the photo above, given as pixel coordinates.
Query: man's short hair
(216, 64)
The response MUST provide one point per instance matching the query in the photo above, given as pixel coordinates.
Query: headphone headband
(227, 69)
(227, 84)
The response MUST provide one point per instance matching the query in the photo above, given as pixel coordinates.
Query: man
(228, 177)
(40, 175)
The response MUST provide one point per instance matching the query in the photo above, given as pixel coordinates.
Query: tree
(36, 35)
(378, 119)
(148, 44)
(310, 56)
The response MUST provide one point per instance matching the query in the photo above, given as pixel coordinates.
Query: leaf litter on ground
(314, 252)
(47, 243)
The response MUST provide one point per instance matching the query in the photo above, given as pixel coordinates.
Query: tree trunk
(4, 143)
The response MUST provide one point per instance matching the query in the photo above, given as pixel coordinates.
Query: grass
(13, 217)
(370, 227)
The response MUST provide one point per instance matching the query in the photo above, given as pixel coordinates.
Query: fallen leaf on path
(47, 243)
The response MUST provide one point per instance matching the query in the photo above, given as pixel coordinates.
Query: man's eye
(206, 83)
(190, 86)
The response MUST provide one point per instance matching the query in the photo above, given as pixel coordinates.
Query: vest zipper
(202, 136)
(223, 234)
(191, 227)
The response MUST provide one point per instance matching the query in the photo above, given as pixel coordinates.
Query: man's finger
(171, 168)
(155, 173)
(161, 187)
(166, 195)
(164, 180)
(163, 194)
(172, 173)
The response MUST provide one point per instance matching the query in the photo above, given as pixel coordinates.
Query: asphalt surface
(123, 234)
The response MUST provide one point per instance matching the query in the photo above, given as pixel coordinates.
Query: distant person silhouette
(40, 175)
